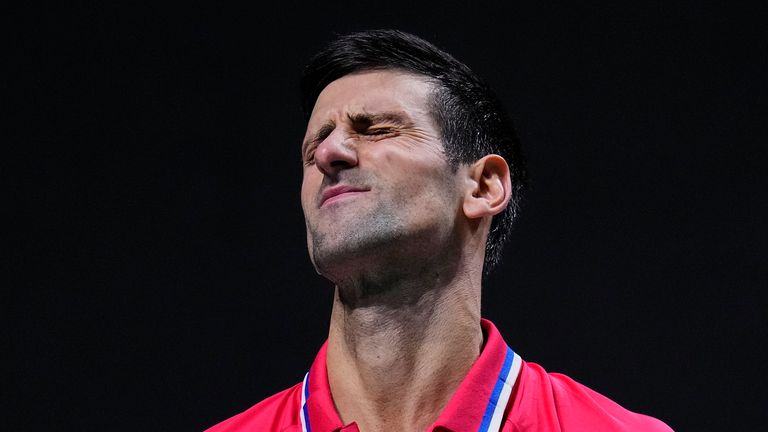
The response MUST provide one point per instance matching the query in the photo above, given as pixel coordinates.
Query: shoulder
(276, 413)
(571, 406)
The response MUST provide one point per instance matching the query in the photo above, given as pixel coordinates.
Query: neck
(396, 354)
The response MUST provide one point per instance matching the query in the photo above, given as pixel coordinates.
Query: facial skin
(372, 146)
(402, 235)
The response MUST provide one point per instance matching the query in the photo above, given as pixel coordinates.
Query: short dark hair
(471, 119)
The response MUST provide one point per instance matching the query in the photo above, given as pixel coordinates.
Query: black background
(166, 284)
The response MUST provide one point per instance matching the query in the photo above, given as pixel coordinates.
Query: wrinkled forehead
(372, 92)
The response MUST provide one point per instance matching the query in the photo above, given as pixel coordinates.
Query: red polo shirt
(501, 392)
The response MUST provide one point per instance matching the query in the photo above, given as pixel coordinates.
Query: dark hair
(472, 121)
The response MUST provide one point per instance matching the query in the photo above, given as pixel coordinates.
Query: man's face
(376, 182)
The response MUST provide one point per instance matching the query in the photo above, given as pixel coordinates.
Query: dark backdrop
(166, 284)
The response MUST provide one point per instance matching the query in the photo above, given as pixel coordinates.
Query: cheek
(304, 194)
(309, 187)
(430, 187)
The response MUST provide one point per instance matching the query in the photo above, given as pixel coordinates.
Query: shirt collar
(479, 403)
(482, 398)
(321, 412)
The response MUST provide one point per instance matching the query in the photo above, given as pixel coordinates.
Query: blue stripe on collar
(494, 411)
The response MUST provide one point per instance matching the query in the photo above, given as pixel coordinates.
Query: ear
(489, 187)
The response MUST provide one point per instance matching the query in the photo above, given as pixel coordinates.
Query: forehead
(371, 92)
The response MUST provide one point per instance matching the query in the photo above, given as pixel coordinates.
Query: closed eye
(378, 131)
(309, 157)
(308, 150)
(378, 124)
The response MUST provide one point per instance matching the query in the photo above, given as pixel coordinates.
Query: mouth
(337, 193)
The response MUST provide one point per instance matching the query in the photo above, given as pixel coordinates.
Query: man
(412, 177)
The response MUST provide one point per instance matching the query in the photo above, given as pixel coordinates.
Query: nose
(335, 153)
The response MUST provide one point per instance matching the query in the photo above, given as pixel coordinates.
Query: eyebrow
(394, 117)
(361, 119)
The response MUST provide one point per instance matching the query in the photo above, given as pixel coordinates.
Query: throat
(397, 368)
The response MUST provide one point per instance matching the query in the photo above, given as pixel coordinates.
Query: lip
(339, 191)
